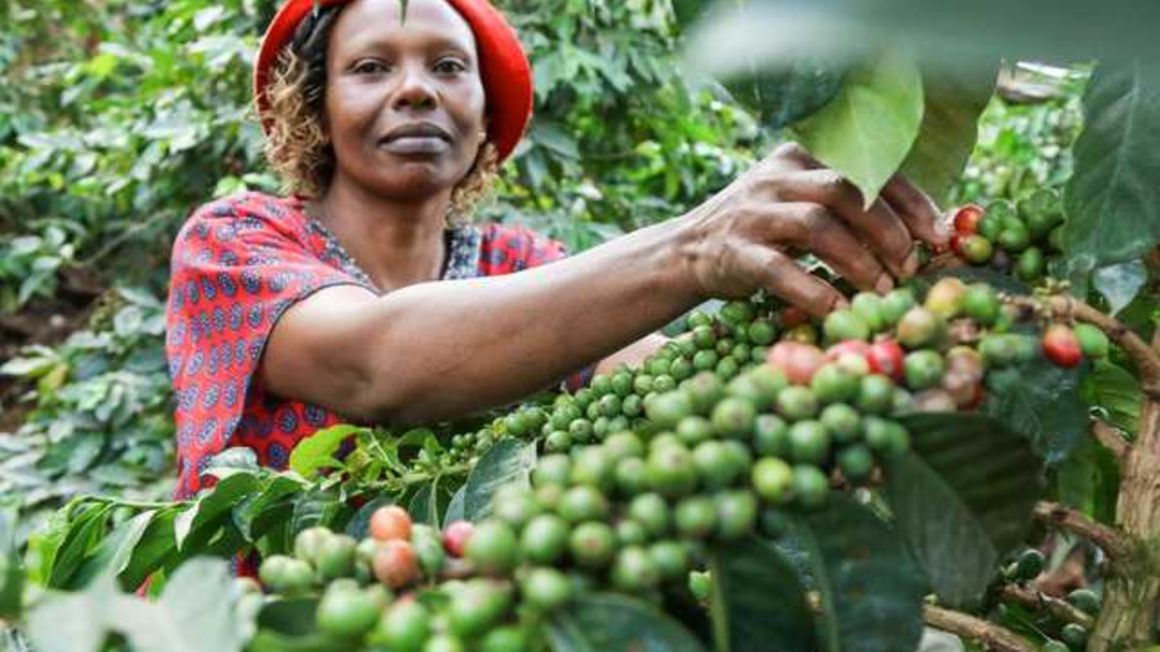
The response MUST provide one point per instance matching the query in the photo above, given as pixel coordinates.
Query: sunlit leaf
(1120, 283)
(508, 461)
(953, 103)
(866, 131)
(317, 452)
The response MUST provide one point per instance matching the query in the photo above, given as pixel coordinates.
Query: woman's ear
(484, 129)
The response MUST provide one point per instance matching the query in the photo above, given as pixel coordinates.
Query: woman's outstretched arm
(442, 349)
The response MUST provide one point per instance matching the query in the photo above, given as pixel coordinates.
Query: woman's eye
(450, 66)
(368, 67)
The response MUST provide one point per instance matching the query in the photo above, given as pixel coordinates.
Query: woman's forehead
(373, 20)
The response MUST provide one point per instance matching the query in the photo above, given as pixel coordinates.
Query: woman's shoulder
(246, 212)
(250, 205)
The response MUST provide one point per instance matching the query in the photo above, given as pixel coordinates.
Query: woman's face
(404, 99)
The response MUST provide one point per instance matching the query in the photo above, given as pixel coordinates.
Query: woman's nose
(415, 90)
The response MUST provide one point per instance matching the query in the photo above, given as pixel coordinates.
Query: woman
(365, 296)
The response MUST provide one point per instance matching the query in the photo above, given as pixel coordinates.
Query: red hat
(504, 68)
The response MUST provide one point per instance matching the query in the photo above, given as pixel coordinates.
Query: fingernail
(884, 284)
(910, 265)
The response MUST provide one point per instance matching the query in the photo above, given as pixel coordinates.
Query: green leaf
(781, 97)
(11, 570)
(44, 545)
(689, 11)
(259, 511)
(198, 599)
(292, 617)
(84, 534)
(1041, 401)
(318, 507)
(267, 641)
(953, 35)
(508, 461)
(73, 622)
(758, 603)
(424, 506)
(953, 102)
(157, 546)
(1120, 283)
(962, 498)
(866, 131)
(455, 507)
(316, 452)
(1115, 393)
(202, 519)
(238, 458)
(194, 614)
(1089, 480)
(870, 586)
(115, 551)
(605, 622)
(1113, 199)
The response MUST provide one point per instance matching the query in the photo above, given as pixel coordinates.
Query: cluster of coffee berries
(409, 587)
(1015, 239)
(725, 344)
(1069, 636)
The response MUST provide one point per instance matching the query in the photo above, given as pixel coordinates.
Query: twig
(992, 636)
(1066, 307)
(1111, 438)
(1054, 606)
(1116, 544)
(128, 234)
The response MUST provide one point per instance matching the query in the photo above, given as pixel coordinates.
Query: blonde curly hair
(298, 148)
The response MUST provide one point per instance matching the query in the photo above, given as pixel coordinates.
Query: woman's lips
(416, 145)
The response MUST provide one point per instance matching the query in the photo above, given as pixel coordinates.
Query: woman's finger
(882, 228)
(783, 277)
(814, 228)
(917, 210)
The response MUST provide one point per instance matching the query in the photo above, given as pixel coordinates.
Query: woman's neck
(396, 243)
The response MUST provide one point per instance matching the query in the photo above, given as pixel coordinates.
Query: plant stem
(992, 636)
(1065, 307)
(422, 477)
(1118, 546)
(1111, 439)
(1132, 590)
(134, 504)
(1037, 600)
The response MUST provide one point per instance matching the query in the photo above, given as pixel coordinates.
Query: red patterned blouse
(238, 263)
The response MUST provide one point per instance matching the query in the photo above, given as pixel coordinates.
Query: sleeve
(237, 265)
(505, 249)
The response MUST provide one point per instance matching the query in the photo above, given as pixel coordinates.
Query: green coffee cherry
(772, 479)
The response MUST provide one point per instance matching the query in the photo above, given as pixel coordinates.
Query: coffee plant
(759, 449)
(973, 452)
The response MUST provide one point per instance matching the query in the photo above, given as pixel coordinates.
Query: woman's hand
(744, 238)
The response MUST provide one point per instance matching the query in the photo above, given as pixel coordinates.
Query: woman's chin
(415, 180)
